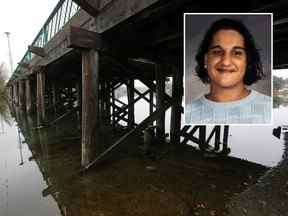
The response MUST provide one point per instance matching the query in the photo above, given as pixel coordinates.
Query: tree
(4, 111)
(278, 82)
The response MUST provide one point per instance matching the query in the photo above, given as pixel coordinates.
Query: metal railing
(60, 15)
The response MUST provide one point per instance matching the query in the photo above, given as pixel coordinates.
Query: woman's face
(226, 59)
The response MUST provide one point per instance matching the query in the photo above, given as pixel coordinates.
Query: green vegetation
(278, 82)
(4, 110)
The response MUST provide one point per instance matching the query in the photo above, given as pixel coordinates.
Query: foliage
(278, 82)
(4, 111)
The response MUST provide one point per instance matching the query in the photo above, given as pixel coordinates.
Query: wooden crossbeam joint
(84, 39)
(90, 7)
(24, 65)
(37, 51)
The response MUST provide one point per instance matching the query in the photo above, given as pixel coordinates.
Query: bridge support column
(79, 102)
(177, 93)
(160, 90)
(14, 93)
(22, 94)
(107, 102)
(40, 100)
(17, 93)
(151, 103)
(28, 96)
(90, 108)
(131, 108)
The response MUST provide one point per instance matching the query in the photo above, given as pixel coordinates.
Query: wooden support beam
(54, 97)
(147, 99)
(177, 93)
(37, 51)
(79, 102)
(131, 133)
(90, 6)
(118, 85)
(22, 94)
(90, 111)
(134, 101)
(107, 102)
(151, 103)
(131, 109)
(14, 99)
(41, 114)
(28, 96)
(121, 102)
(83, 39)
(225, 139)
(190, 135)
(17, 93)
(160, 90)
(24, 65)
(113, 104)
(217, 132)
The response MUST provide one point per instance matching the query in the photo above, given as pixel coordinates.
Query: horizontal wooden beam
(90, 6)
(24, 65)
(37, 51)
(84, 39)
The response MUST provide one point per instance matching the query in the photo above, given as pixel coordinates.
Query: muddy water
(39, 174)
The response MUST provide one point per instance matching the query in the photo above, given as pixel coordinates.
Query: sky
(23, 19)
(281, 73)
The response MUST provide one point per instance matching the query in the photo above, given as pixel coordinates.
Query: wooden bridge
(87, 49)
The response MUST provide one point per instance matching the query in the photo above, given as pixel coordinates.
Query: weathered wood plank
(22, 94)
(177, 93)
(41, 115)
(28, 96)
(82, 38)
(24, 65)
(90, 111)
(119, 10)
(160, 90)
(131, 109)
(37, 51)
(90, 6)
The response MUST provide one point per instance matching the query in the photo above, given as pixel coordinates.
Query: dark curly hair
(254, 70)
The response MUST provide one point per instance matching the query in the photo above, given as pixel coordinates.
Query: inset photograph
(227, 68)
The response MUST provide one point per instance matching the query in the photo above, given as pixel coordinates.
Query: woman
(228, 61)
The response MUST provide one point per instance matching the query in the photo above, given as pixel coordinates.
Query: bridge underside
(85, 65)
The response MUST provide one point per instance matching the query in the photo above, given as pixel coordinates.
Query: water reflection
(21, 183)
(50, 163)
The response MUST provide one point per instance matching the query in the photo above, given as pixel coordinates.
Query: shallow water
(21, 182)
(27, 187)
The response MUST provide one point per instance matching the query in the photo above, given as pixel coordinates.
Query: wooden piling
(113, 104)
(28, 96)
(14, 93)
(151, 103)
(90, 112)
(131, 108)
(54, 97)
(17, 93)
(22, 94)
(107, 102)
(225, 138)
(79, 102)
(160, 90)
(40, 100)
(177, 93)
